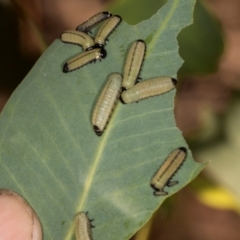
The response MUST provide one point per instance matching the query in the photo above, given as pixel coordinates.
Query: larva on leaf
(84, 58)
(83, 227)
(106, 29)
(133, 63)
(106, 103)
(164, 174)
(79, 38)
(148, 88)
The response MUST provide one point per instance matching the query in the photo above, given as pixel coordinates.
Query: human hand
(18, 221)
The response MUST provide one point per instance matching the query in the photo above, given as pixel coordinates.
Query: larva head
(140, 40)
(107, 14)
(97, 130)
(65, 68)
(183, 149)
(174, 81)
(99, 45)
(89, 48)
(103, 53)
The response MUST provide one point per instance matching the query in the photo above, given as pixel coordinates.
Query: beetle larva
(106, 103)
(133, 63)
(106, 29)
(79, 38)
(166, 171)
(83, 59)
(83, 227)
(148, 88)
(93, 21)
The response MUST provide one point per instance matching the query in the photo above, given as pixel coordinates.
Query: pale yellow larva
(166, 171)
(79, 38)
(133, 63)
(84, 58)
(83, 227)
(106, 103)
(106, 29)
(93, 21)
(148, 88)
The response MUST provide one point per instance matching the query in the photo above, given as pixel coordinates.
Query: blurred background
(207, 102)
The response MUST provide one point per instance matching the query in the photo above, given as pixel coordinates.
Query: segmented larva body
(93, 21)
(83, 59)
(83, 227)
(106, 29)
(166, 171)
(133, 63)
(106, 103)
(148, 88)
(79, 38)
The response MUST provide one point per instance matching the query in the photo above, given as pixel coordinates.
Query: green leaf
(200, 44)
(50, 154)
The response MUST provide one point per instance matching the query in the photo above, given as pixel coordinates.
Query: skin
(17, 220)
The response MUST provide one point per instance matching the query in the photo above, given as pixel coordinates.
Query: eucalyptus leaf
(200, 44)
(50, 154)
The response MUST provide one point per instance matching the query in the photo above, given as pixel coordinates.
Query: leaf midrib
(163, 26)
(104, 139)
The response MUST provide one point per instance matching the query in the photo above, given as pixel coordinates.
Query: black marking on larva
(98, 45)
(183, 149)
(97, 130)
(65, 68)
(103, 53)
(90, 220)
(123, 89)
(121, 100)
(174, 81)
(92, 226)
(107, 13)
(138, 80)
(89, 48)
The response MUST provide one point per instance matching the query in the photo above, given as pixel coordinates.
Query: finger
(17, 219)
